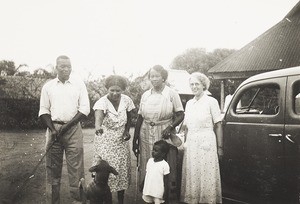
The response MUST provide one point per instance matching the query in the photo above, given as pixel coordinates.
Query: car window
(296, 94)
(262, 99)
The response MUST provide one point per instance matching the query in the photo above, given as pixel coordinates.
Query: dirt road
(20, 152)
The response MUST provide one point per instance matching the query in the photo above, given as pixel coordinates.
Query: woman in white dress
(203, 142)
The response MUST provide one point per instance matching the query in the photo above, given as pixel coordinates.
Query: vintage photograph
(134, 102)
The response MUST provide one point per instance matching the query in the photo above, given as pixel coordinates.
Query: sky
(128, 36)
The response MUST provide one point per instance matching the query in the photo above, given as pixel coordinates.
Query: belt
(155, 123)
(58, 122)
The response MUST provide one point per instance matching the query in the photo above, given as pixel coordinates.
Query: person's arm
(76, 119)
(99, 116)
(178, 118)
(167, 187)
(46, 120)
(135, 141)
(126, 135)
(184, 131)
(219, 135)
(44, 112)
(166, 181)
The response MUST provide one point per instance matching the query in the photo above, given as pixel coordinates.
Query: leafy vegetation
(20, 90)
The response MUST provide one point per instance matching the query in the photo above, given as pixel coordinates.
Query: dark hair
(116, 80)
(62, 57)
(164, 146)
(162, 71)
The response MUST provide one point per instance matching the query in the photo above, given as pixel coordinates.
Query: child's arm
(166, 179)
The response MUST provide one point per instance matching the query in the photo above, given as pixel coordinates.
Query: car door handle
(275, 135)
(288, 138)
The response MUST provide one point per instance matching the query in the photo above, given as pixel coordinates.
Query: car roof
(273, 74)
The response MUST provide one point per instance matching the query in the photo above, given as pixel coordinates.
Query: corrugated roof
(277, 48)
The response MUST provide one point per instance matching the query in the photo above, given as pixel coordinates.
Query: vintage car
(261, 140)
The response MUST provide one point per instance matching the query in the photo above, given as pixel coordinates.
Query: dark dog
(98, 190)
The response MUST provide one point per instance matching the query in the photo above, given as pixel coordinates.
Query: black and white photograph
(136, 102)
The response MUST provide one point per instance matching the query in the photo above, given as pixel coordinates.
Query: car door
(253, 164)
(292, 137)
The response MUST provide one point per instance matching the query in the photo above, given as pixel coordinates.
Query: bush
(19, 114)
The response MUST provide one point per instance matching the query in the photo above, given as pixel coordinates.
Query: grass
(21, 151)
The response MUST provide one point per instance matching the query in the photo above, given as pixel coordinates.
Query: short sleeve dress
(200, 170)
(158, 108)
(154, 180)
(110, 146)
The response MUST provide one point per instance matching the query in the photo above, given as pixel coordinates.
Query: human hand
(99, 131)
(220, 153)
(166, 133)
(126, 135)
(54, 134)
(135, 146)
(63, 129)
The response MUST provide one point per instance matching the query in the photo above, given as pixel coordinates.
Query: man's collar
(70, 80)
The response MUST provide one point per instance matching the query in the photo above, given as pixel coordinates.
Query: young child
(156, 170)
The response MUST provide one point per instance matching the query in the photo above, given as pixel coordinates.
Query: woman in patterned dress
(200, 170)
(112, 124)
(159, 113)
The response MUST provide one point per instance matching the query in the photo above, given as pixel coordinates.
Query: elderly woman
(159, 113)
(203, 142)
(112, 123)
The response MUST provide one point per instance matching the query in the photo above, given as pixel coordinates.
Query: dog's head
(102, 170)
(103, 166)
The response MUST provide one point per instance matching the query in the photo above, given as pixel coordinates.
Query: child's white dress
(154, 181)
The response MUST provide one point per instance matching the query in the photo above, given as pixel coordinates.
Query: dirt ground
(21, 151)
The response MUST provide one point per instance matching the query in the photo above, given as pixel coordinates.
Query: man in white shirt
(228, 98)
(64, 102)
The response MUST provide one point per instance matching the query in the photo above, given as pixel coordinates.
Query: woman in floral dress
(200, 170)
(112, 124)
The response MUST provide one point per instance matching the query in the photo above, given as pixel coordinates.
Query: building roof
(277, 48)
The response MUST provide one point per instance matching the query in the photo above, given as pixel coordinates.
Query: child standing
(156, 170)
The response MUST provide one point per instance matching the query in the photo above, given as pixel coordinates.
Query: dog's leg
(108, 197)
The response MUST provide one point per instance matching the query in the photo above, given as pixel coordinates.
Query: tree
(8, 67)
(193, 59)
(43, 73)
(197, 59)
(218, 55)
(22, 73)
